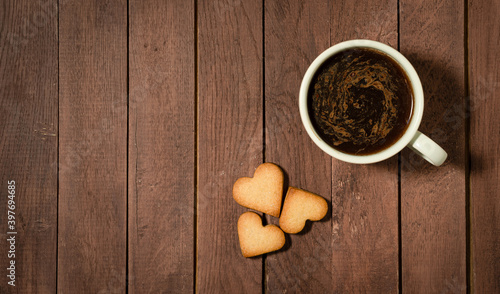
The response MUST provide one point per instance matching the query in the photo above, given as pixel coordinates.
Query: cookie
(256, 239)
(263, 192)
(300, 206)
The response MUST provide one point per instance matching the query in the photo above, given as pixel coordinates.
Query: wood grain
(161, 147)
(484, 33)
(365, 197)
(28, 143)
(93, 147)
(295, 33)
(230, 139)
(433, 198)
(192, 109)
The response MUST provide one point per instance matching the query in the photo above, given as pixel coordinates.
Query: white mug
(415, 140)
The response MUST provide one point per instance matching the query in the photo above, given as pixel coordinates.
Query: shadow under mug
(412, 138)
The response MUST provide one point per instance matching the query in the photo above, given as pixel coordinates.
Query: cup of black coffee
(362, 101)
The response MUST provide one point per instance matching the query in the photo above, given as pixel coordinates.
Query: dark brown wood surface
(161, 146)
(126, 123)
(92, 236)
(484, 79)
(365, 197)
(304, 265)
(433, 218)
(230, 140)
(28, 144)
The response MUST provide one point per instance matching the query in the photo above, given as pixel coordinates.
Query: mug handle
(428, 149)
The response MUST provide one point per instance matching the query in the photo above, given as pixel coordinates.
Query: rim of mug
(417, 111)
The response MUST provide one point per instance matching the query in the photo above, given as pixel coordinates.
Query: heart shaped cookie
(300, 206)
(263, 192)
(256, 239)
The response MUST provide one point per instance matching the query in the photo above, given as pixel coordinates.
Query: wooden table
(124, 125)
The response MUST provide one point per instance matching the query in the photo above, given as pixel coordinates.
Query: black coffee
(360, 101)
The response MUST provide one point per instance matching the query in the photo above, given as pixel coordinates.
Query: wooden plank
(295, 33)
(230, 139)
(484, 64)
(364, 227)
(365, 197)
(433, 222)
(28, 144)
(93, 147)
(161, 146)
